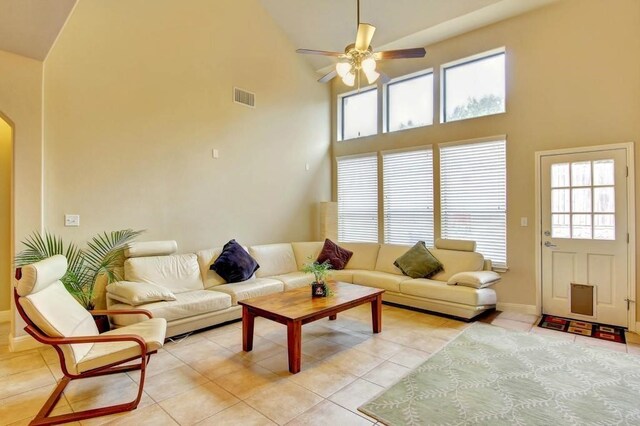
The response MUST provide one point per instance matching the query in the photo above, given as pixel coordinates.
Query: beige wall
(6, 160)
(573, 79)
(21, 103)
(136, 98)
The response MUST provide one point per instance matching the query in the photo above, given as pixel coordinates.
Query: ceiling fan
(359, 56)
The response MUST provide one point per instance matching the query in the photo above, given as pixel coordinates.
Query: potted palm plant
(320, 271)
(102, 257)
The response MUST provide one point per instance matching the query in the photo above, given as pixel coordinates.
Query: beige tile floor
(207, 379)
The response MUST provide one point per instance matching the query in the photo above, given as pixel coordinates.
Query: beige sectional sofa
(203, 298)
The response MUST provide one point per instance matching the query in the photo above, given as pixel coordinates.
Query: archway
(6, 215)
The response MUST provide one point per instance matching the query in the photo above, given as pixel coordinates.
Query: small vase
(318, 289)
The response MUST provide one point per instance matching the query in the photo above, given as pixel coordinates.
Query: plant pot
(318, 289)
(102, 322)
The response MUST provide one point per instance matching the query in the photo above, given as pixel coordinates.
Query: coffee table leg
(248, 320)
(376, 314)
(333, 317)
(294, 344)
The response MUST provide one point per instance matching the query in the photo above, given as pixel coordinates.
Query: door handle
(548, 244)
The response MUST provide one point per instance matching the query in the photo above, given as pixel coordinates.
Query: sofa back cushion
(178, 272)
(364, 255)
(455, 261)
(387, 255)
(305, 250)
(274, 259)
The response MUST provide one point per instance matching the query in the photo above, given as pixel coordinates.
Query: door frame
(631, 221)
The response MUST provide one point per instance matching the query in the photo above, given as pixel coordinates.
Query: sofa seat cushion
(455, 261)
(345, 275)
(294, 280)
(177, 272)
(438, 290)
(274, 259)
(152, 332)
(383, 280)
(251, 288)
(186, 305)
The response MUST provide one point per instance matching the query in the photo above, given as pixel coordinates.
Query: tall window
(408, 196)
(409, 102)
(474, 87)
(473, 196)
(358, 198)
(359, 114)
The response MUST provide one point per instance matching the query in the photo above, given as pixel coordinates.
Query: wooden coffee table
(296, 307)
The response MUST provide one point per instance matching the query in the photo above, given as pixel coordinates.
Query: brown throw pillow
(336, 255)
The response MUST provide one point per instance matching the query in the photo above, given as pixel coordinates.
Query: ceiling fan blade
(417, 52)
(318, 52)
(364, 36)
(328, 77)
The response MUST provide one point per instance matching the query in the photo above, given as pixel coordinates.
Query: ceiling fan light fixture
(368, 65)
(372, 76)
(349, 79)
(343, 68)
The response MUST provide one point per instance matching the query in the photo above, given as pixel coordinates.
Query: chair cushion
(387, 255)
(378, 279)
(55, 312)
(39, 275)
(251, 288)
(438, 290)
(455, 261)
(274, 259)
(178, 272)
(418, 262)
(295, 280)
(187, 304)
(101, 354)
(334, 254)
(234, 264)
(135, 294)
(306, 252)
(364, 255)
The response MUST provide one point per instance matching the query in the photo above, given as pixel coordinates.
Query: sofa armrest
(475, 279)
(488, 265)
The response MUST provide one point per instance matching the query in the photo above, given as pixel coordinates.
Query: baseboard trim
(23, 343)
(5, 316)
(517, 307)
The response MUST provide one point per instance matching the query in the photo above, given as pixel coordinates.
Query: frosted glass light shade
(372, 76)
(368, 65)
(349, 79)
(342, 68)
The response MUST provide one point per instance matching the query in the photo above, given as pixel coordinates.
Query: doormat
(611, 333)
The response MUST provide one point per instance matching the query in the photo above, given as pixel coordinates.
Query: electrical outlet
(71, 220)
(215, 154)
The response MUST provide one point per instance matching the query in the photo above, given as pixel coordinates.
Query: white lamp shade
(342, 68)
(349, 79)
(372, 76)
(368, 65)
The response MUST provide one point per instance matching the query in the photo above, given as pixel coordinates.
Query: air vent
(243, 97)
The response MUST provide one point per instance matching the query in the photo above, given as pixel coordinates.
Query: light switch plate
(71, 220)
(524, 221)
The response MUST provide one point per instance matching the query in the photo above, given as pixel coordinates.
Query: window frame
(340, 115)
(465, 61)
(401, 79)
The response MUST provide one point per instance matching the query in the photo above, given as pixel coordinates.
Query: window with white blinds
(358, 198)
(408, 196)
(473, 196)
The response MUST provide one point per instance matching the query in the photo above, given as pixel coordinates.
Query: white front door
(584, 235)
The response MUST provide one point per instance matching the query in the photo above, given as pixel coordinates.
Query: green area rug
(489, 375)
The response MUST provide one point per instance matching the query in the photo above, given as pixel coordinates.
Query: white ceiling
(29, 27)
(331, 24)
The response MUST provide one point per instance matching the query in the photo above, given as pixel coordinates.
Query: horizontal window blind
(358, 198)
(408, 197)
(473, 196)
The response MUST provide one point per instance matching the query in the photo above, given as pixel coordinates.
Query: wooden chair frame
(43, 418)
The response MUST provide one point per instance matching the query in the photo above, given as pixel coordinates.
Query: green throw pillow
(418, 262)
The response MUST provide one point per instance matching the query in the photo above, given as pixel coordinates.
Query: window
(474, 87)
(410, 102)
(473, 196)
(408, 196)
(583, 200)
(358, 114)
(358, 198)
